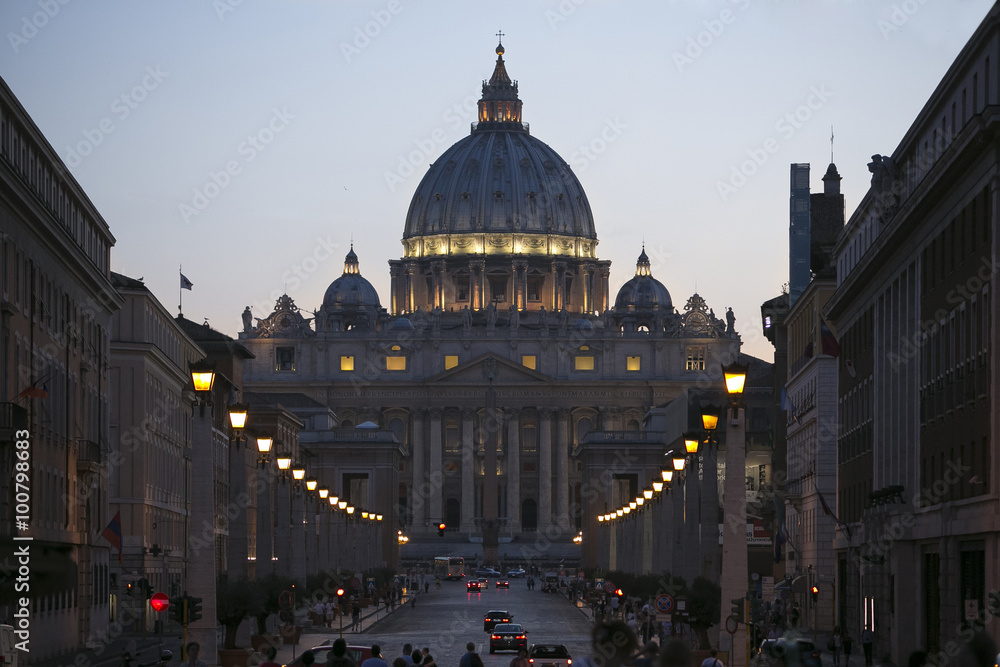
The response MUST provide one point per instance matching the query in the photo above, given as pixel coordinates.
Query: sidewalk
(146, 651)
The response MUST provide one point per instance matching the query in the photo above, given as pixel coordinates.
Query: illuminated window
(695, 358)
(528, 361)
(498, 288)
(535, 289)
(284, 358)
(347, 363)
(631, 363)
(462, 288)
(584, 363)
(450, 361)
(395, 363)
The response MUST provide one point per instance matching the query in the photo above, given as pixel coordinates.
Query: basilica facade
(499, 283)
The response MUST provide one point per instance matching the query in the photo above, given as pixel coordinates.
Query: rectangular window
(535, 289)
(284, 358)
(462, 288)
(451, 437)
(450, 361)
(529, 438)
(498, 288)
(529, 466)
(347, 363)
(528, 361)
(583, 363)
(695, 358)
(631, 363)
(395, 363)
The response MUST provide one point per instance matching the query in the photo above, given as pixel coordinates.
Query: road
(446, 619)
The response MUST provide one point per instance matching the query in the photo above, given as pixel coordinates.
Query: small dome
(643, 292)
(351, 290)
(402, 324)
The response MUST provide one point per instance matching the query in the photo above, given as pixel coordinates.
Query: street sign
(159, 601)
(664, 603)
(355, 583)
(609, 587)
(663, 618)
(371, 584)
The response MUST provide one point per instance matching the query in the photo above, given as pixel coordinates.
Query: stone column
(562, 473)
(468, 472)
(692, 519)
(265, 518)
(709, 508)
(514, 470)
(418, 495)
(436, 470)
(545, 470)
(282, 526)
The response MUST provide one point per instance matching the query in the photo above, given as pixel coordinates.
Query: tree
(703, 608)
(270, 588)
(234, 601)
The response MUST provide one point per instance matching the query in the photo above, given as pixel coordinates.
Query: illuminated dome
(499, 179)
(643, 292)
(350, 300)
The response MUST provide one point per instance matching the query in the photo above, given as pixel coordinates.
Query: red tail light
(520, 637)
(494, 636)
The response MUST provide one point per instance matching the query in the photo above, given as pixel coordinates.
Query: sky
(250, 141)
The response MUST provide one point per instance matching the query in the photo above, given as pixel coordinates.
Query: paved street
(446, 619)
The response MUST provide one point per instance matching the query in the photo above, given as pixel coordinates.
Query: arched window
(583, 427)
(398, 429)
(347, 424)
(633, 425)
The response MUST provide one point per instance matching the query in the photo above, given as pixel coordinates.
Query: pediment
(505, 372)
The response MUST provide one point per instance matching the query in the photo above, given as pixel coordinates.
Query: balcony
(13, 418)
(88, 456)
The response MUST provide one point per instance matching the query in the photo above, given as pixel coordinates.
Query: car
(320, 653)
(513, 574)
(508, 637)
(773, 652)
(484, 582)
(549, 655)
(503, 583)
(495, 617)
(472, 585)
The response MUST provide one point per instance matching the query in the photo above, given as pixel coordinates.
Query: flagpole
(180, 291)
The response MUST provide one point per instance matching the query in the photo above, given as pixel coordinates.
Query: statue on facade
(563, 320)
(491, 315)
(515, 318)
(730, 322)
(466, 318)
(247, 320)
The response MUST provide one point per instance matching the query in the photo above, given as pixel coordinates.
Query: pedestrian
(613, 645)
(648, 656)
(308, 658)
(417, 657)
(867, 644)
(521, 659)
(614, 606)
(407, 654)
(338, 655)
(471, 658)
(848, 644)
(376, 660)
(271, 653)
(676, 653)
(427, 586)
(192, 651)
(837, 640)
(356, 618)
(428, 660)
(713, 660)
(399, 662)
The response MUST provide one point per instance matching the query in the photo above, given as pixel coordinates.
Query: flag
(808, 352)
(787, 405)
(113, 534)
(185, 283)
(34, 391)
(828, 342)
(849, 365)
(780, 537)
(829, 512)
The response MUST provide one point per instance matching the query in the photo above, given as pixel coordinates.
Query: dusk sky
(251, 140)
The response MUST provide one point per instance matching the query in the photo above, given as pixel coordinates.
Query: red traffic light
(619, 592)
(814, 590)
(340, 591)
(441, 526)
(159, 602)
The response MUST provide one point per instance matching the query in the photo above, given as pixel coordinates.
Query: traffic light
(736, 611)
(441, 528)
(128, 589)
(194, 609)
(814, 593)
(755, 615)
(177, 609)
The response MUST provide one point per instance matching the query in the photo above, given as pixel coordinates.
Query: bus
(449, 567)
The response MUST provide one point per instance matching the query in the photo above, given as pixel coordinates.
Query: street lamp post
(734, 540)
(201, 559)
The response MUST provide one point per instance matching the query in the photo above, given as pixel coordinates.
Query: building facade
(55, 319)
(914, 304)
